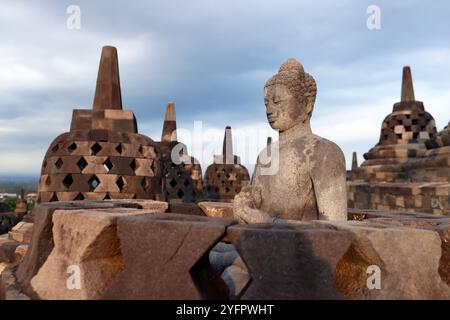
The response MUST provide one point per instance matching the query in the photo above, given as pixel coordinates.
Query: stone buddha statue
(307, 176)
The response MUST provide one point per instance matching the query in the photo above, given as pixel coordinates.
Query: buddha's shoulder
(312, 144)
(325, 149)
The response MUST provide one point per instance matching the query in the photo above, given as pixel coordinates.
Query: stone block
(439, 224)
(81, 120)
(237, 280)
(85, 243)
(290, 261)
(20, 252)
(42, 238)
(217, 209)
(9, 288)
(177, 206)
(7, 249)
(22, 232)
(166, 257)
(408, 260)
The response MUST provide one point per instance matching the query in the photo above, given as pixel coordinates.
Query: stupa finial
(107, 91)
(407, 85)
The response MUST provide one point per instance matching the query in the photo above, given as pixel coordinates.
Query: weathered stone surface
(88, 240)
(431, 197)
(166, 257)
(7, 248)
(9, 288)
(408, 259)
(290, 261)
(177, 206)
(42, 239)
(178, 256)
(20, 252)
(237, 278)
(301, 176)
(3, 265)
(154, 206)
(22, 232)
(439, 224)
(217, 209)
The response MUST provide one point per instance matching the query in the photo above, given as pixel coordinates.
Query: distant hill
(14, 183)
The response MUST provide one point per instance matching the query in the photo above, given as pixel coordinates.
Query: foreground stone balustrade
(438, 224)
(408, 258)
(86, 240)
(291, 261)
(42, 242)
(124, 253)
(166, 257)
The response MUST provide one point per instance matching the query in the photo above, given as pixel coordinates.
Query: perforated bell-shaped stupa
(183, 175)
(404, 133)
(102, 156)
(226, 176)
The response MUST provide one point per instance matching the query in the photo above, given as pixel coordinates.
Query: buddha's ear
(309, 104)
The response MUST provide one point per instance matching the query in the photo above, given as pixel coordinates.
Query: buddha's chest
(291, 177)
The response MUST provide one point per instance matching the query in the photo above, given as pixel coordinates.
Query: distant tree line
(9, 204)
(16, 186)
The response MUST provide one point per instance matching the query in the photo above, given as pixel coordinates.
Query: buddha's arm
(330, 188)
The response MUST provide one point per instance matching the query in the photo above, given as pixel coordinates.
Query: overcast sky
(212, 58)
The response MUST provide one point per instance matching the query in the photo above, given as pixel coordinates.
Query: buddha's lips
(272, 118)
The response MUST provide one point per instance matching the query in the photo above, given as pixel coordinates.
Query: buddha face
(283, 110)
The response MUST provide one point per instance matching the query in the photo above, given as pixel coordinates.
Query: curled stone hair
(292, 75)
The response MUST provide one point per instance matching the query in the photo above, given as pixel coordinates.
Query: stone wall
(409, 196)
(409, 168)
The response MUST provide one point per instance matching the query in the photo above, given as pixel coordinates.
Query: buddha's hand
(246, 206)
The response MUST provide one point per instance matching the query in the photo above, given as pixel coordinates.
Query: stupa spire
(170, 123)
(107, 91)
(227, 152)
(407, 85)
(354, 161)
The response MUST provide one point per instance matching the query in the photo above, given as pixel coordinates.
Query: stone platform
(129, 253)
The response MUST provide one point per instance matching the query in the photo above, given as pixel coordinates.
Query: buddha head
(289, 96)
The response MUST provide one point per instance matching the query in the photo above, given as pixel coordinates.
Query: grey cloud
(213, 57)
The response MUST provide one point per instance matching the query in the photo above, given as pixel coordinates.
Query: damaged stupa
(409, 168)
(103, 156)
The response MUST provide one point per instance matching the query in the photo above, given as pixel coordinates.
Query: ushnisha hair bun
(292, 75)
(291, 65)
